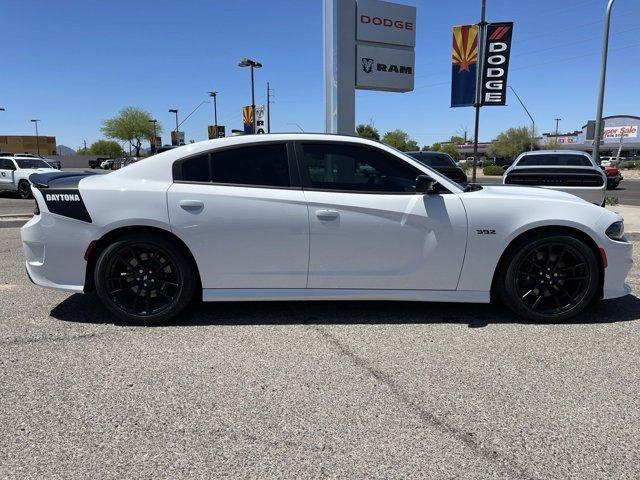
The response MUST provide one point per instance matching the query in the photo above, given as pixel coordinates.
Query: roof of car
(546, 152)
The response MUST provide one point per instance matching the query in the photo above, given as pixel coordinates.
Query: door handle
(325, 214)
(191, 205)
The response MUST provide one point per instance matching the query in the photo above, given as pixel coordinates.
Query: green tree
(401, 140)
(436, 147)
(451, 149)
(457, 140)
(132, 125)
(511, 143)
(367, 130)
(107, 148)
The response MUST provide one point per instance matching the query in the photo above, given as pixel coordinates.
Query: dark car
(442, 163)
(96, 162)
(54, 163)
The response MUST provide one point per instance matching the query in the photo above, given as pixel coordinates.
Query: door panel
(243, 237)
(385, 241)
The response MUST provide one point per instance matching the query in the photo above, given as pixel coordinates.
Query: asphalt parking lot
(294, 390)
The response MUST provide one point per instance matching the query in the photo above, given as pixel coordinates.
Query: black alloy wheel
(145, 279)
(552, 278)
(24, 190)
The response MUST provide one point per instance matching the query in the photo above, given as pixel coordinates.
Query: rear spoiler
(58, 179)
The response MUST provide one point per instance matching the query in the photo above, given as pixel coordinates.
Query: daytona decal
(67, 203)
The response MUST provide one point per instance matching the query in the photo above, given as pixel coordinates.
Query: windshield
(437, 175)
(434, 160)
(555, 159)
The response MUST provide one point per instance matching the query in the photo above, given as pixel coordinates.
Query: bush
(610, 200)
(493, 170)
(466, 166)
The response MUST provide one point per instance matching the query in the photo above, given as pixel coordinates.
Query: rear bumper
(54, 248)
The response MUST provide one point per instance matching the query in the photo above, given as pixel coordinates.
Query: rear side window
(196, 169)
(552, 159)
(437, 160)
(259, 165)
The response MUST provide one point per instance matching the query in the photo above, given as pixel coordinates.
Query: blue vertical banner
(464, 65)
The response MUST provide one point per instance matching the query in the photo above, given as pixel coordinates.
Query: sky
(73, 63)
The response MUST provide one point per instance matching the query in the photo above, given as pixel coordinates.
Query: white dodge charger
(315, 217)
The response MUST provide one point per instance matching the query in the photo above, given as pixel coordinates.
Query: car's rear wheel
(24, 190)
(144, 279)
(550, 277)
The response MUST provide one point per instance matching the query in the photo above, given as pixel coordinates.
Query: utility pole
(214, 94)
(154, 146)
(482, 28)
(557, 126)
(269, 95)
(247, 62)
(35, 120)
(175, 110)
(603, 77)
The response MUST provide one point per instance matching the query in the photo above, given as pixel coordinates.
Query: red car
(613, 177)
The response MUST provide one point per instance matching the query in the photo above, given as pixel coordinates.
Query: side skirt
(280, 294)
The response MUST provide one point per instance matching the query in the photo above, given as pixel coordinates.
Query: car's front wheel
(550, 277)
(144, 279)
(24, 190)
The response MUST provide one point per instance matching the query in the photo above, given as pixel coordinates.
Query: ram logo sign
(385, 68)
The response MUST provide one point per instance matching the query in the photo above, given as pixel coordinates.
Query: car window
(333, 166)
(32, 163)
(6, 164)
(554, 159)
(265, 165)
(258, 165)
(196, 169)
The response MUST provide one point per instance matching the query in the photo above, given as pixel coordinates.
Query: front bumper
(620, 261)
(54, 248)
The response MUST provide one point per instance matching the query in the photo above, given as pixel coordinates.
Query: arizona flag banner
(247, 119)
(464, 65)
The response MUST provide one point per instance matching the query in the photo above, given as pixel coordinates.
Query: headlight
(616, 231)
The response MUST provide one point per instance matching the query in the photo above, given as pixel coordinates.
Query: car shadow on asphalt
(86, 308)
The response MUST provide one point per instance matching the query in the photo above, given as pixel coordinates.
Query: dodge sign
(496, 63)
(384, 22)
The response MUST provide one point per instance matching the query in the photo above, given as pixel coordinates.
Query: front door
(7, 169)
(241, 215)
(370, 230)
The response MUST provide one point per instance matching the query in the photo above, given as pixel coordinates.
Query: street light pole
(155, 136)
(246, 62)
(603, 78)
(215, 108)
(175, 110)
(533, 122)
(35, 120)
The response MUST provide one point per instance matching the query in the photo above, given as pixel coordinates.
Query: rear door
(7, 169)
(242, 213)
(370, 230)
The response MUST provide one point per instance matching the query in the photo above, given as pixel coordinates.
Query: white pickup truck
(14, 173)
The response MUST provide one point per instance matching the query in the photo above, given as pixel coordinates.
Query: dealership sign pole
(368, 45)
(480, 64)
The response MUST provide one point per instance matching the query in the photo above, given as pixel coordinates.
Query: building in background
(28, 144)
(620, 132)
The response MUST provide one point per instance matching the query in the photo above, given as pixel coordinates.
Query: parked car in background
(96, 162)
(54, 163)
(611, 161)
(15, 172)
(443, 163)
(570, 171)
(614, 177)
(107, 164)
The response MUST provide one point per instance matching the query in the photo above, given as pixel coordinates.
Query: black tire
(145, 279)
(24, 190)
(549, 277)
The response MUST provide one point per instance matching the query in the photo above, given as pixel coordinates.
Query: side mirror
(425, 184)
